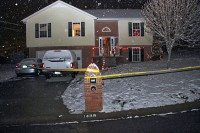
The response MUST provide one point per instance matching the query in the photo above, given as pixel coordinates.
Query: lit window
(76, 29)
(136, 29)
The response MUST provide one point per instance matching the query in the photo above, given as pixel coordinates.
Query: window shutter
(142, 54)
(36, 30)
(82, 28)
(130, 28)
(142, 28)
(49, 29)
(70, 29)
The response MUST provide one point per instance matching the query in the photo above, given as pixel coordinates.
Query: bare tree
(173, 20)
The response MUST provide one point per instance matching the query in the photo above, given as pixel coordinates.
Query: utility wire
(10, 23)
(10, 29)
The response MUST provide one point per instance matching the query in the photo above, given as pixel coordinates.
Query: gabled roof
(58, 3)
(115, 13)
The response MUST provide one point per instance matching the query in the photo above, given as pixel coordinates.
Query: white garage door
(40, 54)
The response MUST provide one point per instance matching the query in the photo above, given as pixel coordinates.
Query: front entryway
(107, 46)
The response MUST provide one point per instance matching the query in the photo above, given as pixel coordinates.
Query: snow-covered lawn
(138, 92)
(142, 91)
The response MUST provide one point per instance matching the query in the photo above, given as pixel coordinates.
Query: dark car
(29, 66)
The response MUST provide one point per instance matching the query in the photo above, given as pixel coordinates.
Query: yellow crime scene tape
(66, 69)
(145, 73)
(124, 74)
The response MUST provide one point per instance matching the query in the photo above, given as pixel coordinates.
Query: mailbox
(93, 89)
(93, 80)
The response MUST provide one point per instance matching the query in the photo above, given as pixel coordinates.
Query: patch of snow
(138, 92)
(59, 5)
(143, 91)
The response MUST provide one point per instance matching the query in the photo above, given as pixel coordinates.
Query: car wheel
(18, 75)
(76, 73)
(48, 76)
(38, 72)
(73, 75)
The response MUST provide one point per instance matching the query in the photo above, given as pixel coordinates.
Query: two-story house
(118, 35)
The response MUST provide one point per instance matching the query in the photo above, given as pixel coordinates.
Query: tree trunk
(169, 58)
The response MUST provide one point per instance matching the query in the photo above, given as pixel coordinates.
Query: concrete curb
(99, 116)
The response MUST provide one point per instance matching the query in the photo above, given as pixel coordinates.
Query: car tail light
(71, 65)
(42, 65)
(17, 66)
(33, 65)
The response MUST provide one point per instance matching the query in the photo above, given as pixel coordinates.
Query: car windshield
(57, 58)
(51, 55)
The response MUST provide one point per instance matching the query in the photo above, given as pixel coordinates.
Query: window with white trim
(76, 29)
(136, 29)
(42, 30)
(135, 54)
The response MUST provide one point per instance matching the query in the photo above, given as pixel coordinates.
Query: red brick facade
(100, 24)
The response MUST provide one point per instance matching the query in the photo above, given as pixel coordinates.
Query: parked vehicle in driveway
(59, 59)
(29, 66)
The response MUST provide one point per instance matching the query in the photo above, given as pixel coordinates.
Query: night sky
(12, 30)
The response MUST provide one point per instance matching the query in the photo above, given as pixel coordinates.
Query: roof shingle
(115, 13)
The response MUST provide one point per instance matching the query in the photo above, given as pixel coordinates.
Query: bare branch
(173, 20)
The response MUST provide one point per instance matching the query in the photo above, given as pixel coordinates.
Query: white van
(59, 59)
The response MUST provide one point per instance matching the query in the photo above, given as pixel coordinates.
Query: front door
(106, 46)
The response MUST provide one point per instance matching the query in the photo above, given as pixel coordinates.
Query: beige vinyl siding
(125, 39)
(59, 18)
